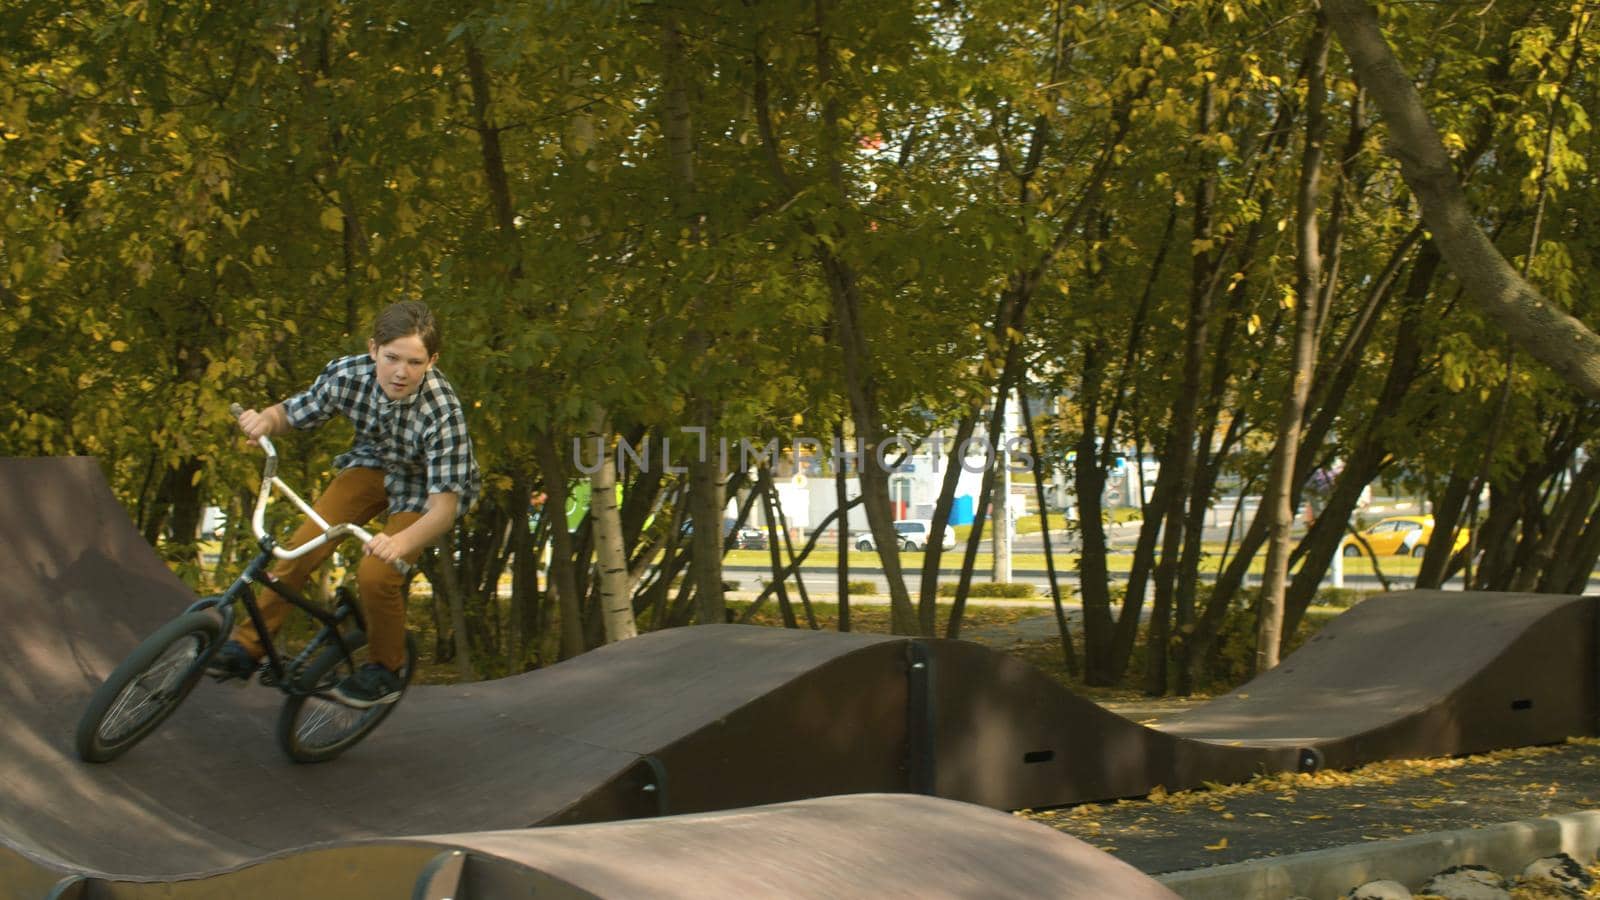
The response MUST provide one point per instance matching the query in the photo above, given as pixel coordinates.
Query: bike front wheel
(147, 686)
(313, 728)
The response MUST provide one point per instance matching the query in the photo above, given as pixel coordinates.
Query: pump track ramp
(689, 723)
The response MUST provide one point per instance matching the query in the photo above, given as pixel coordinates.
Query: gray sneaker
(371, 685)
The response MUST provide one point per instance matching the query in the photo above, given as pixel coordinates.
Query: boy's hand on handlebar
(386, 547)
(255, 425)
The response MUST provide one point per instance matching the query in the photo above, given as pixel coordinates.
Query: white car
(913, 536)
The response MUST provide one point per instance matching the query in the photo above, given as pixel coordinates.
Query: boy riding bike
(411, 457)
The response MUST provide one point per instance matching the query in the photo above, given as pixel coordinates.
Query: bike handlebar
(270, 480)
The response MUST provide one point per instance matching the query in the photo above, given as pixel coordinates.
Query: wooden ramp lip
(1422, 673)
(556, 746)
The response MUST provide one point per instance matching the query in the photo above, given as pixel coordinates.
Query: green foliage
(203, 203)
(1339, 598)
(991, 589)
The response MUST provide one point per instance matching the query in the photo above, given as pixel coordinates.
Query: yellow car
(1398, 536)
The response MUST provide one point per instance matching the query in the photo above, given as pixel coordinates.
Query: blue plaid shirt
(419, 443)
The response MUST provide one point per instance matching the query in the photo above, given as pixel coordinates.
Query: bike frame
(256, 573)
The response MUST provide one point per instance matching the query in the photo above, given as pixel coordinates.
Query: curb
(1504, 848)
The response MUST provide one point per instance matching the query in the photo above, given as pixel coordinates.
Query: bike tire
(147, 686)
(313, 729)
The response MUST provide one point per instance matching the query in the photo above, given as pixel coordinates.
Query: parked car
(750, 538)
(1398, 536)
(747, 538)
(913, 536)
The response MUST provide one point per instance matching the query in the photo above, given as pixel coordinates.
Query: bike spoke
(150, 692)
(324, 722)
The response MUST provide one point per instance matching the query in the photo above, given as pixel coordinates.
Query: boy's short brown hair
(406, 318)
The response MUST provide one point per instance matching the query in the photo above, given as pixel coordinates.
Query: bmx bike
(159, 674)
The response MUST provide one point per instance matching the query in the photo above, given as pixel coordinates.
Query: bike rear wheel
(313, 728)
(147, 686)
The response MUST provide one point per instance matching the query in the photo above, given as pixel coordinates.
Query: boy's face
(402, 364)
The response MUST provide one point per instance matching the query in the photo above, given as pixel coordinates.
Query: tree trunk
(706, 497)
(1565, 525)
(1106, 652)
(1567, 561)
(1580, 564)
(1088, 484)
(706, 502)
(1368, 459)
(616, 588)
(975, 537)
(1275, 501)
(450, 586)
(562, 579)
(1446, 516)
(1180, 454)
(933, 556)
(841, 501)
(1069, 657)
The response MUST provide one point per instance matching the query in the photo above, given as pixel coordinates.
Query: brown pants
(356, 495)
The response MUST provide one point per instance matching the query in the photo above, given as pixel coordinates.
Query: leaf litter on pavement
(1291, 812)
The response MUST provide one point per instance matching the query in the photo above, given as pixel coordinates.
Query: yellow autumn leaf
(1219, 845)
(332, 219)
(119, 346)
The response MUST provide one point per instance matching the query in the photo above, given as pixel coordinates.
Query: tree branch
(1546, 332)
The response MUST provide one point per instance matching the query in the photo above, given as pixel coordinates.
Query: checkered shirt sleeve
(451, 466)
(339, 389)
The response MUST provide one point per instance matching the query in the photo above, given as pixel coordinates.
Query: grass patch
(991, 589)
(875, 619)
